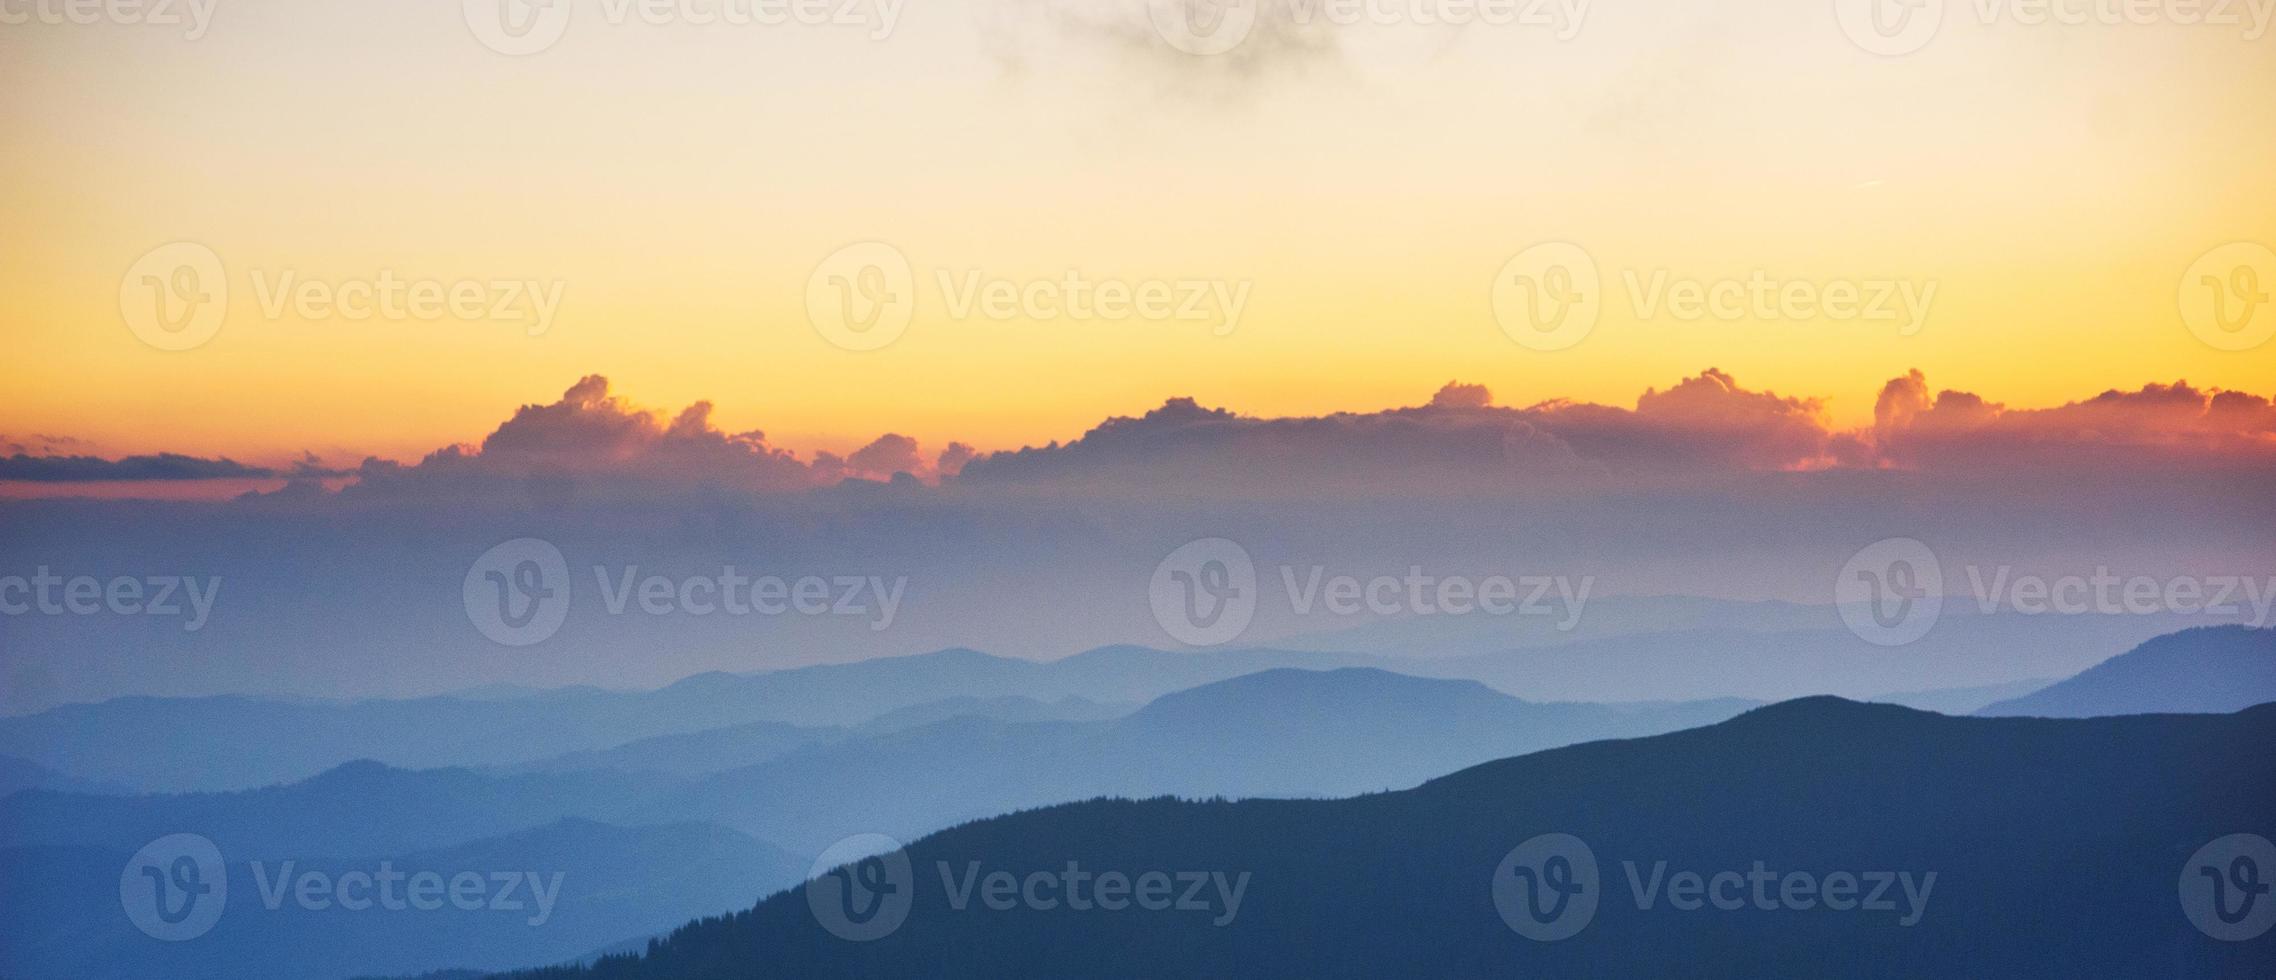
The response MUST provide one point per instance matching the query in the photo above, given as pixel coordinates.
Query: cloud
(1702, 425)
(1706, 421)
(1702, 486)
(155, 467)
(311, 467)
(2164, 421)
(1457, 442)
(954, 457)
(889, 456)
(39, 444)
(591, 442)
(1198, 449)
(1459, 395)
(1021, 33)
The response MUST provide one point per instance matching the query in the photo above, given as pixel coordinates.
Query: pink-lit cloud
(1459, 441)
(1913, 428)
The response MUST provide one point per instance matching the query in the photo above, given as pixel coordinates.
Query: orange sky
(680, 186)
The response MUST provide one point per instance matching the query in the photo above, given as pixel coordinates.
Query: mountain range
(2211, 668)
(2054, 846)
(613, 884)
(1275, 733)
(233, 742)
(1284, 731)
(753, 801)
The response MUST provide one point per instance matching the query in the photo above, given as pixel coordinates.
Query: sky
(996, 304)
(2047, 188)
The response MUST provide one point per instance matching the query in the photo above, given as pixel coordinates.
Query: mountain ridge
(1814, 785)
